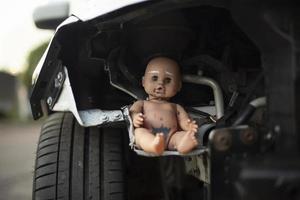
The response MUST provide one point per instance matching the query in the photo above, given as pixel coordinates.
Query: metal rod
(218, 95)
(249, 110)
(258, 102)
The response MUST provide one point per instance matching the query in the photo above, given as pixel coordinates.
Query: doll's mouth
(159, 90)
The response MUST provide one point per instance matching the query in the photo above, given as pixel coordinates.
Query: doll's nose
(159, 87)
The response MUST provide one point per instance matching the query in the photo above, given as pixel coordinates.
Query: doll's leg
(183, 141)
(149, 142)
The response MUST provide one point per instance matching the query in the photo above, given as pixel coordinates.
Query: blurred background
(21, 46)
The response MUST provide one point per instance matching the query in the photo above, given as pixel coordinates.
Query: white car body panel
(94, 8)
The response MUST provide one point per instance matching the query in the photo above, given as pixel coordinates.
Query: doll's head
(162, 78)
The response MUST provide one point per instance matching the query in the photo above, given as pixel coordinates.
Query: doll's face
(162, 78)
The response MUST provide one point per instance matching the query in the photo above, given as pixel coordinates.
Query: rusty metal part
(221, 139)
(248, 136)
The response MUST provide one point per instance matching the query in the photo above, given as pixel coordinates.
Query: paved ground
(17, 152)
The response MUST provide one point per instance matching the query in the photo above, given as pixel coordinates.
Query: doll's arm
(136, 114)
(184, 120)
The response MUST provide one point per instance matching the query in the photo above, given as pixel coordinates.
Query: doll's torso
(160, 117)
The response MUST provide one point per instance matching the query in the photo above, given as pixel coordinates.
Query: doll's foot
(158, 144)
(187, 143)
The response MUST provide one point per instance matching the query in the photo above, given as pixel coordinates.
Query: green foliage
(32, 60)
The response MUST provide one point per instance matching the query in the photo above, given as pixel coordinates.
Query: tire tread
(77, 163)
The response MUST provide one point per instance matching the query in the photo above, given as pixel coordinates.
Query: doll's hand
(138, 120)
(192, 126)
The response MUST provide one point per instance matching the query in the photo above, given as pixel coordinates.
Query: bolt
(105, 118)
(58, 80)
(60, 76)
(248, 136)
(222, 140)
(57, 83)
(49, 101)
(117, 116)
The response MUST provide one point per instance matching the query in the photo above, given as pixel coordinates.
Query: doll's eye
(167, 80)
(154, 78)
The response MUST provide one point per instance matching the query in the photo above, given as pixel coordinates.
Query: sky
(18, 34)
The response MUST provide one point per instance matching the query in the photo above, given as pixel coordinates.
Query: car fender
(62, 100)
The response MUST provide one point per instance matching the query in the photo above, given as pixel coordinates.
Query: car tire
(78, 163)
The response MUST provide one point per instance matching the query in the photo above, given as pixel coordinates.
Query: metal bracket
(95, 117)
(55, 87)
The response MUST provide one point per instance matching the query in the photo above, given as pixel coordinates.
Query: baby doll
(159, 124)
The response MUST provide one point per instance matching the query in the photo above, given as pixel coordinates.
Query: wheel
(77, 163)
